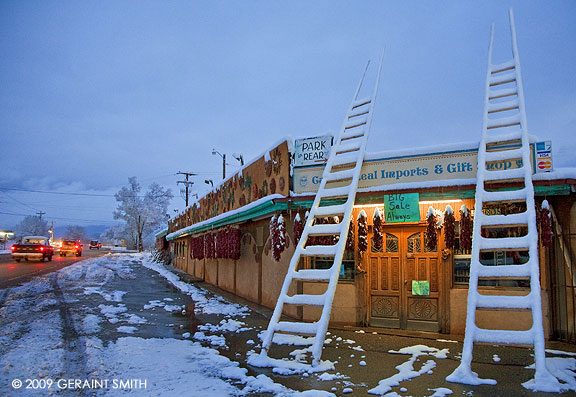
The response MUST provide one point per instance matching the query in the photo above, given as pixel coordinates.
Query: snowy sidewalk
(122, 323)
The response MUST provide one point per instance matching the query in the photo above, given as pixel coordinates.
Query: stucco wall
(273, 274)
(494, 319)
(227, 274)
(211, 271)
(248, 269)
(345, 309)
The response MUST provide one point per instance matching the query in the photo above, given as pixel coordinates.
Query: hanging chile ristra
(449, 227)
(431, 236)
(298, 228)
(377, 240)
(546, 224)
(273, 236)
(350, 239)
(281, 244)
(362, 232)
(465, 229)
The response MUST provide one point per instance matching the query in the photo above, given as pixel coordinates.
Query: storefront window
(463, 258)
(347, 269)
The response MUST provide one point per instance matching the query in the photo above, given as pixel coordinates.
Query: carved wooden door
(394, 300)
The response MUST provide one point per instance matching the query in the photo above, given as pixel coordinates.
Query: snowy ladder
(339, 181)
(504, 139)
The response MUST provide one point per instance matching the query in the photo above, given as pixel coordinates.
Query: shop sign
(401, 207)
(311, 151)
(543, 154)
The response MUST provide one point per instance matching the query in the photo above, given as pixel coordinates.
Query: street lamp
(239, 157)
(214, 152)
(209, 182)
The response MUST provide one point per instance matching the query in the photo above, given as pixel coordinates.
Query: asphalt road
(13, 273)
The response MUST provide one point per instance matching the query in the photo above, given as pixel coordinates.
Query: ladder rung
(339, 175)
(346, 147)
(512, 219)
(503, 175)
(319, 250)
(355, 132)
(312, 275)
(334, 192)
(499, 137)
(504, 154)
(504, 242)
(325, 229)
(503, 67)
(508, 195)
(504, 301)
(358, 112)
(361, 102)
(306, 299)
(355, 124)
(503, 122)
(330, 210)
(296, 327)
(500, 226)
(502, 93)
(502, 79)
(345, 158)
(503, 336)
(503, 106)
(504, 271)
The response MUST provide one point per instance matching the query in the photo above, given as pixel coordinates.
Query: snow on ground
(406, 370)
(41, 342)
(80, 323)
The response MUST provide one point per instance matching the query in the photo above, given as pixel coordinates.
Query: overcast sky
(93, 92)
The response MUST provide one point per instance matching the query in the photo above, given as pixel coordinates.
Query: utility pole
(40, 213)
(186, 183)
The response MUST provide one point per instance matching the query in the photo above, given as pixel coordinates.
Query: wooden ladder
(339, 182)
(504, 141)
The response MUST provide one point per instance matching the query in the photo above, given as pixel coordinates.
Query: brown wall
(227, 274)
(211, 271)
(248, 281)
(273, 274)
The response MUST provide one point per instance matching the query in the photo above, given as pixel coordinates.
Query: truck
(32, 247)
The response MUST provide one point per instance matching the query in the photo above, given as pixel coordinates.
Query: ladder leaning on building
(339, 182)
(505, 137)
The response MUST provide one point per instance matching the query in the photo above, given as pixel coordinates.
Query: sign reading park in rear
(312, 151)
(401, 208)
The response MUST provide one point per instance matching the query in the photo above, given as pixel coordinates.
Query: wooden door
(403, 259)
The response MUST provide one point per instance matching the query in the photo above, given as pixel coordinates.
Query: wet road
(13, 273)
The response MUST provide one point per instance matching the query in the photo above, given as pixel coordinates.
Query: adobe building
(397, 280)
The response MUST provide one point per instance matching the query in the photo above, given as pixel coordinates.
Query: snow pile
(406, 371)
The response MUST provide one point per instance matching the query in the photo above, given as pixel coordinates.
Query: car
(71, 247)
(95, 244)
(32, 247)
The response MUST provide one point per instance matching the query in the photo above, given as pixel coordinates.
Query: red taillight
(41, 249)
(77, 246)
(13, 248)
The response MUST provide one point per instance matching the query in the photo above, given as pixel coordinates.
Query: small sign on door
(420, 288)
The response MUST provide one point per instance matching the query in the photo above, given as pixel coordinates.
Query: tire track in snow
(75, 364)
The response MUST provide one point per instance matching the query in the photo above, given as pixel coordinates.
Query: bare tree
(142, 214)
(31, 226)
(75, 233)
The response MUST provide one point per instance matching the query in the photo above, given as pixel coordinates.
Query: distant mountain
(92, 231)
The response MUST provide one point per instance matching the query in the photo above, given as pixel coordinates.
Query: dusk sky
(93, 93)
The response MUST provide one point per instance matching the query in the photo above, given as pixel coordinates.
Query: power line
(63, 218)
(65, 193)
